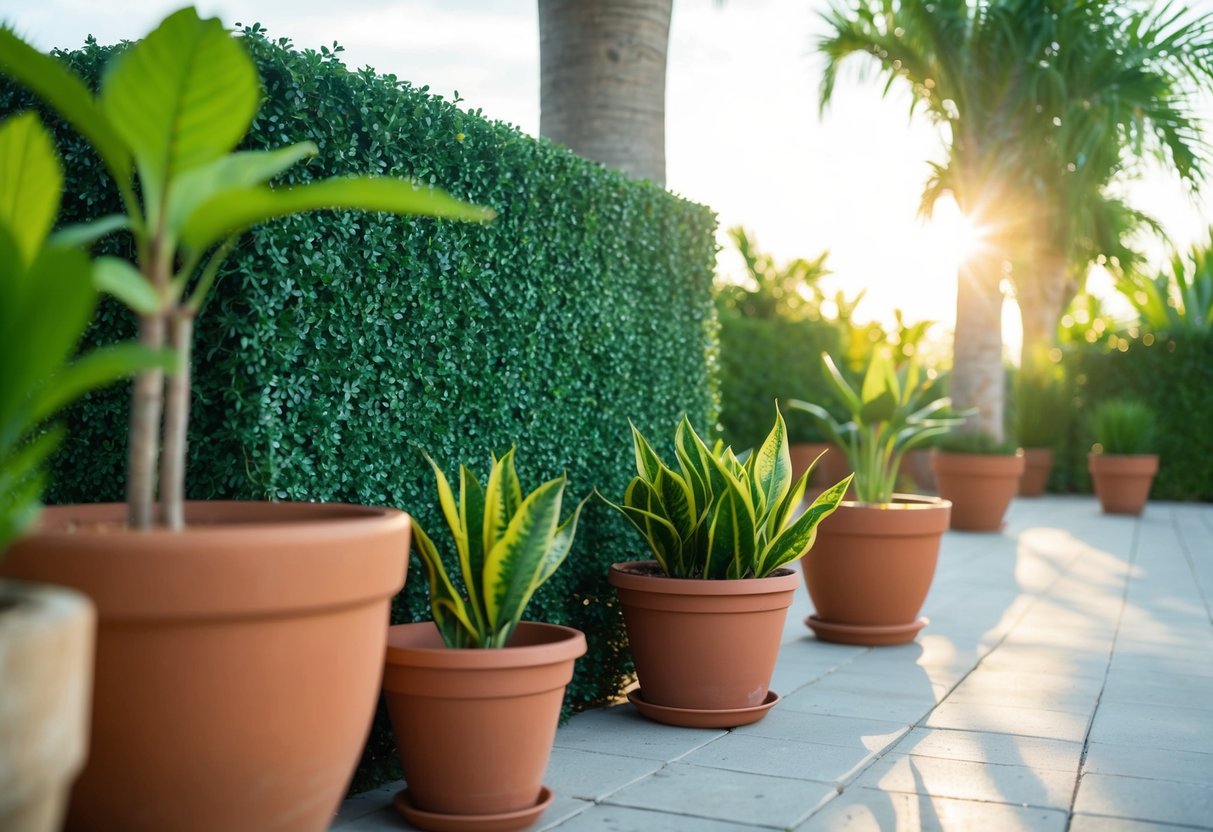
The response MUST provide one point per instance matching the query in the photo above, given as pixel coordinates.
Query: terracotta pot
(1122, 482)
(700, 645)
(917, 465)
(980, 487)
(1038, 464)
(803, 454)
(475, 726)
(871, 567)
(238, 661)
(46, 671)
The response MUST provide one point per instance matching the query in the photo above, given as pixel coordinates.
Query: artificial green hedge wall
(337, 346)
(767, 359)
(1174, 376)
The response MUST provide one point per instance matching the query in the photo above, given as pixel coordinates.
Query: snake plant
(508, 544)
(717, 517)
(890, 414)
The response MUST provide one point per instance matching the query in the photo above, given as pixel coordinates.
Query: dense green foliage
(1178, 299)
(764, 360)
(1123, 426)
(335, 346)
(1174, 376)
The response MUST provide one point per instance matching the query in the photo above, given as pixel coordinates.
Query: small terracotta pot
(1038, 464)
(1122, 482)
(46, 671)
(980, 487)
(871, 567)
(703, 645)
(238, 661)
(475, 726)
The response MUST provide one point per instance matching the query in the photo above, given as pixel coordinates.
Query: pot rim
(566, 644)
(901, 502)
(781, 581)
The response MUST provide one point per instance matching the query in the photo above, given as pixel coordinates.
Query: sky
(743, 131)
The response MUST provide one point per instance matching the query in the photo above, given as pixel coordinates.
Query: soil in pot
(1122, 481)
(871, 568)
(703, 646)
(238, 661)
(1038, 464)
(475, 726)
(979, 486)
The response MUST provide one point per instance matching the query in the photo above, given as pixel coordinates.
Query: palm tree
(1044, 102)
(602, 80)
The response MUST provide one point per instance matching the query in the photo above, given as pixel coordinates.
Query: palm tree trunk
(977, 370)
(1042, 296)
(602, 81)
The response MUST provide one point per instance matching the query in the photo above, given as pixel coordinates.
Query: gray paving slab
(592, 775)
(867, 734)
(607, 818)
(1151, 763)
(1149, 726)
(622, 730)
(734, 796)
(781, 758)
(968, 780)
(1001, 749)
(872, 810)
(1135, 798)
(1028, 722)
(1097, 823)
(905, 706)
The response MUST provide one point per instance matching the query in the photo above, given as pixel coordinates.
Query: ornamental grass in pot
(979, 475)
(239, 645)
(1039, 418)
(474, 696)
(1122, 461)
(875, 557)
(704, 618)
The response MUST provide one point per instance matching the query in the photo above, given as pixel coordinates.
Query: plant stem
(176, 420)
(146, 404)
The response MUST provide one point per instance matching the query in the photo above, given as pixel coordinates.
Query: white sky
(742, 128)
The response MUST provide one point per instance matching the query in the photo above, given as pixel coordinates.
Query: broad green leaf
(235, 170)
(450, 614)
(22, 463)
(84, 234)
(798, 538)
(880, 384)
(849, 398)
(647, 462)
(675, 499)
(502, 498)
(181, 97)
(511, 566)
(31, 181)
(881, 408)
(237, 209)
(119, 278)
(772, 466)
(694, 467)
(471, 519)
(658, 533)
(67, 95)
(777, 519)
(98, 368)
(730, 538)
(562, 542)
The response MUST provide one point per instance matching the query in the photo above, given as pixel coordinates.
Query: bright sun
(956, 234)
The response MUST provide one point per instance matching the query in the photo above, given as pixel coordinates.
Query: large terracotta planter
(1037, 465)
(871, 567)
(46, 676)
(238, 661)
(475, 726)
(704, 650)
(979, 486)
(832, 468)
(1122, 482)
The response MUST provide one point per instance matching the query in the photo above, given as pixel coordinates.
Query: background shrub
(336, 346)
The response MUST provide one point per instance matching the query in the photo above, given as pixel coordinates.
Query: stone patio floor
(1065, 681)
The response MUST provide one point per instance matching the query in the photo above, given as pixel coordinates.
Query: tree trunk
(176, 421)
(602, 81)
(977, 370)
(1042, 296)
(146, 406)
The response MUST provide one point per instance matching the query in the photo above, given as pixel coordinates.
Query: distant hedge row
(765, 359)
(337, 346)
(1174, 376)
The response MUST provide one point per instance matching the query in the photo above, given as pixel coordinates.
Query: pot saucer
(867, 634)
(500, 822)
(690, 718)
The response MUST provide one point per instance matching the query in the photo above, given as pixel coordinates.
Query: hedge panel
(338, 345)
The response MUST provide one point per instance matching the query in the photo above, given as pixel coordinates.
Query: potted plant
(239, 645)
(979, 475)
(474, 696)
(704, 618)
(1039, 408)
(1122, 462)
(875, 557)
(47, 298)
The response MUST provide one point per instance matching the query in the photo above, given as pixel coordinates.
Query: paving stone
(1025, 696)
(780, 757)
(591, 775)
(1151, 763)
(1140, 799)
(725, 795)
(1095, 823)
(621, 730)
(1160, 690)
(607, 818)
(366, 803)
(1029, 722)
(870, 810)
(1151, 726)
(1051, 660)
(865, 734)
(1002, 749)
(892, 706)
(562, 809)
(967, 780)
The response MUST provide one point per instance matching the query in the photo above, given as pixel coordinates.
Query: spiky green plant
(1123, 426)
(507, 544)
(717, 517)
(889, 415)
